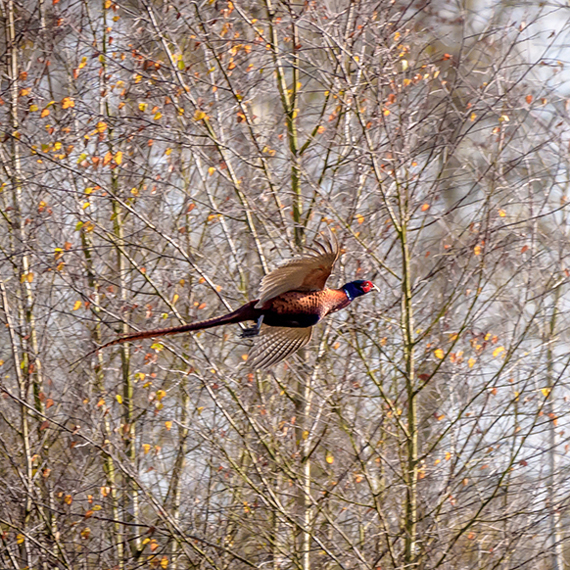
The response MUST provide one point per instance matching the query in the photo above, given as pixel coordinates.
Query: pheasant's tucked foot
(249, 332)
(252, 331)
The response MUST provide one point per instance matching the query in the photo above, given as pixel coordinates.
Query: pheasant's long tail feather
(244, 313)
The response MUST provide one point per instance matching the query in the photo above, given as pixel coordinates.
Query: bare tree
(158, 159)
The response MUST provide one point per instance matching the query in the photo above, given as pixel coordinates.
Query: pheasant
(292, 300)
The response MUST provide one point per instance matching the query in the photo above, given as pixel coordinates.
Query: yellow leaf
(146, 448)
(168, 425)
(477, 250)
(157, 116)
(20, 538)
(68, 499)
(329, 458)
(168, 152)
(471, 362)
(67, 103)
(77, 305)
(160, 394)
(545, 392)
(447, 456)
(101, 127)
(405, 65)
(211, 170)
(119, 398)
(502, 213)
(164, 562)
(33, 108)
(473, 116)
(88, 191)
(119, 157)
(199, 115)
(105, 491)
(438, 353)
(107, 159)
(142, 106)
(359, 218)
(498, 350)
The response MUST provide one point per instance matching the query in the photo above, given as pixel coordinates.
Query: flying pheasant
(292, 299)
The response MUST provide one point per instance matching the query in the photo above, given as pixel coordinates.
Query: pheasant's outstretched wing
(307, 273)
(276, 343)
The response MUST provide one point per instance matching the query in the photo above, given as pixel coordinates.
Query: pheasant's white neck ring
(350, 297)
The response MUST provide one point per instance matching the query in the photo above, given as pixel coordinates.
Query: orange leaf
(49, 403)
(425, 207)
(108, 158)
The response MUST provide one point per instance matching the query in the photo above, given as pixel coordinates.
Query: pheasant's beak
(374, 288)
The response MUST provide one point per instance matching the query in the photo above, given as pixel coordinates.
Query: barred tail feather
(244, 313)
